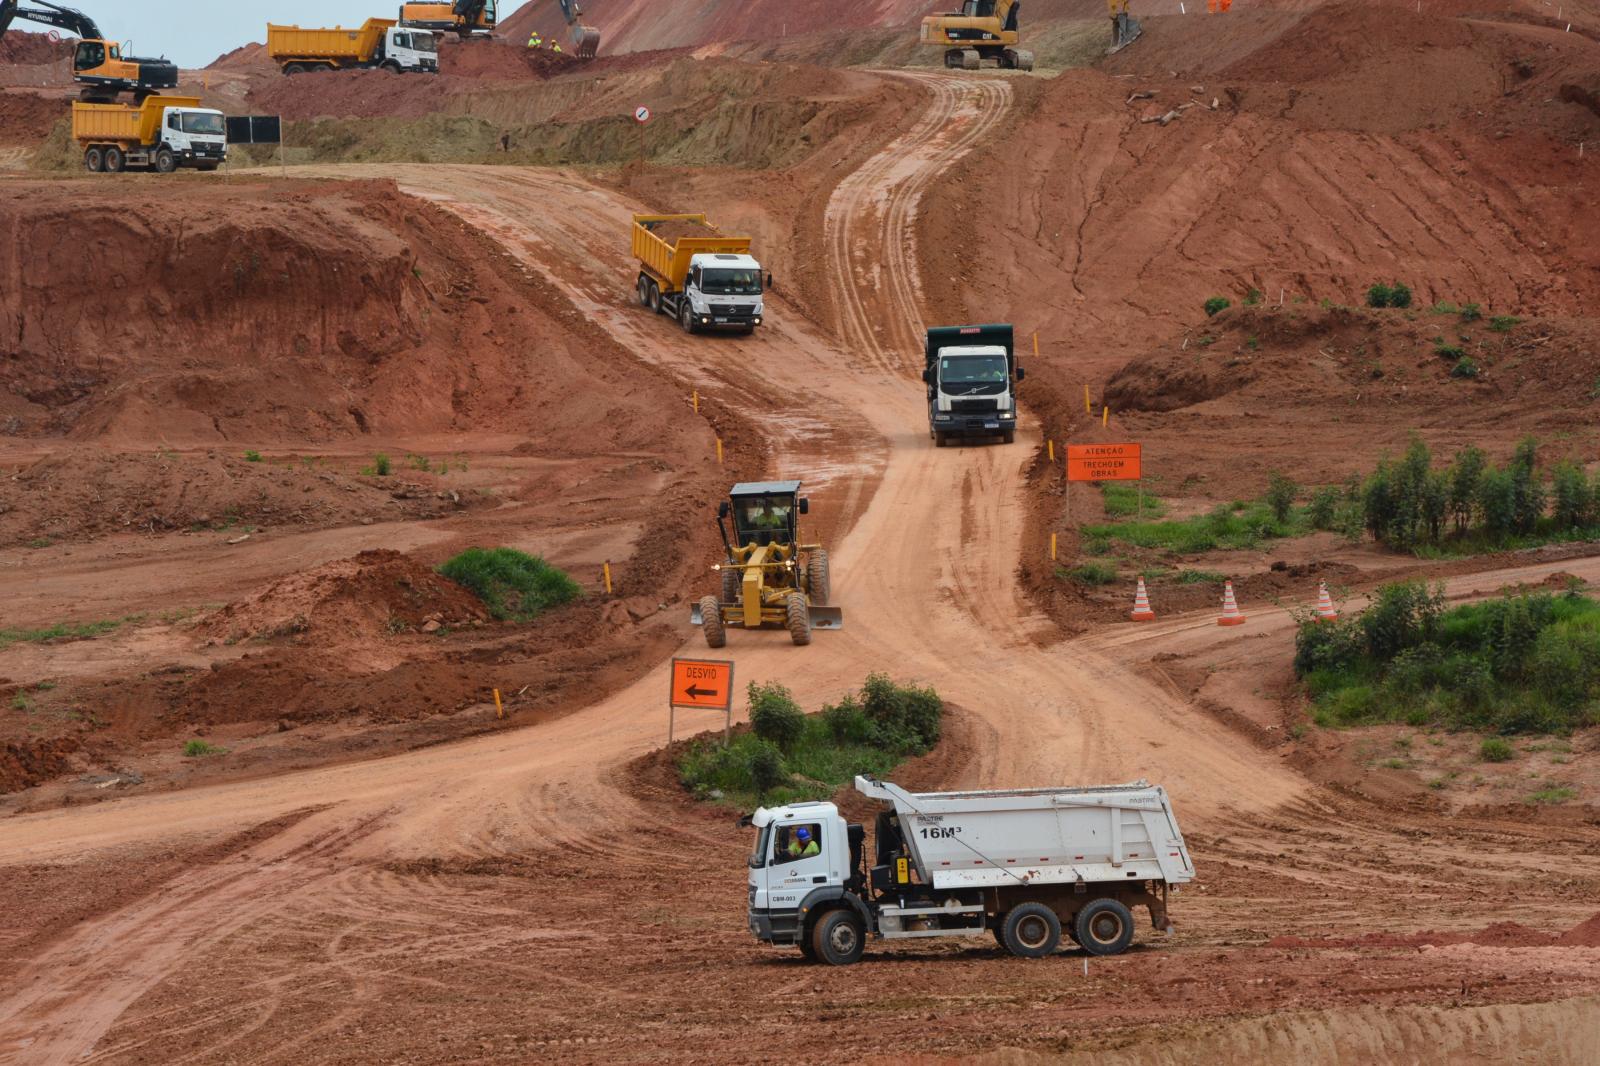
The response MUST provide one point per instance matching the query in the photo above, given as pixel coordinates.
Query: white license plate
(991, 425)
(720, 321)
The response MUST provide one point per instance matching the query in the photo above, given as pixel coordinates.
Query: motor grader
(769, 579)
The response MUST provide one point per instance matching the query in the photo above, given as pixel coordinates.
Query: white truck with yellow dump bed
(161, 133)
(1021, 864)
(705, 280)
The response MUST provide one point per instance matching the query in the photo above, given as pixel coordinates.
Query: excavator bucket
(827, 618)
(586, 41)
(1125, 29)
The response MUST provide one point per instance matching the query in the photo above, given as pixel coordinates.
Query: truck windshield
(422, 41)
(972, 373)
(724, 282)
(758, 857)
(199, 122)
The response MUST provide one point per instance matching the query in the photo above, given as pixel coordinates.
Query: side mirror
(746, 821)
(725, 510)
(927, 375)
(805, 506)
(1021, 373)
(769, 281)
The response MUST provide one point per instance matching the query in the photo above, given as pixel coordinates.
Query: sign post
(701, 684)
(641, 115)
(1106, 462)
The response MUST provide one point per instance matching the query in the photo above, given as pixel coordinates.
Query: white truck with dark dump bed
(972, 376)
(1021, 864)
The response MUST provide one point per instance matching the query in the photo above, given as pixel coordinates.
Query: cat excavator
(982, 31)
(98, 64)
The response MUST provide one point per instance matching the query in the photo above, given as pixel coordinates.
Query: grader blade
(827, 618)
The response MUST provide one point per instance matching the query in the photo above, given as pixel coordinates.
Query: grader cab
(769, 579)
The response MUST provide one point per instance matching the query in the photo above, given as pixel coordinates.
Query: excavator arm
(62, 18)
(98, 64)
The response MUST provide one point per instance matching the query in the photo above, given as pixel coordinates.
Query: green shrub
(1378, 295)
(1449, 351)
(1280, 495)
(847, 722)
(1503, 323)
(1200, 577)
(1252, 298)
(1493, 749)
(1092, 574)
(1471, 312)
(904, 719)
(1465, 367)
(380, 465)
(196, 749)
(1559, 794)
(775, 716)
(1217, 304)
(252, 456)
(1403, 615)
(512, 584)
(1323, 510)
(766, 768)
(1445, 307)
(1399, 295)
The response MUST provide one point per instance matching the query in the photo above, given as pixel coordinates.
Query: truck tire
(817, 577)
(730, 586)
(644, 291)
(392, 67)
(291, 69)
(838, 938)
(166, 162)
(686, 318)
(1104, 927)
(655, 297)
(1032, 931)
(711, 622)
(93, 160)
(115, 160)
(806, 947)
(940, 440)
(1008, 437)
(799, 619)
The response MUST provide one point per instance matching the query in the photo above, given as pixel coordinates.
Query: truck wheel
(939, 439)
(799, 619)
(1104, 927)
(838, 938)
(711, 622)
(392, 67)
(1008, 437)
(644, 291)
(817, 577)
(291, 69)
(93, 160)
(1032, 931)
(730, 586)
(686, 317)
(166, 162)
(115, 160)
(655, 297)
(807, 949)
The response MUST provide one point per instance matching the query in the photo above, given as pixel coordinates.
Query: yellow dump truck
(687, 269)
(162, 133)
(378, 43)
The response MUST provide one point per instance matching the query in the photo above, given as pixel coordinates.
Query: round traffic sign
(641, 114)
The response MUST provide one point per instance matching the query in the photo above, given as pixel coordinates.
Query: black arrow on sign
(695, 691)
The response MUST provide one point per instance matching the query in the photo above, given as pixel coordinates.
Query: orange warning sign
(1105, 462)
(703, 683)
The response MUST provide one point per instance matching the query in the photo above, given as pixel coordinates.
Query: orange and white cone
(1141, 605)
(1230, 608)
(1325, 611)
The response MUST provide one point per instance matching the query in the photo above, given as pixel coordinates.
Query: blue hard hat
(803, 833)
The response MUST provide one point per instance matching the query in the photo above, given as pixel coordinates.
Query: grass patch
(1518, 664)
(381, 467)
(1091, 573)
(1231, 527)
(252, 456)
(39, 542)
(75, 630)
(1493, 749)
(513, 585)
(199, 749)
(788, 756)
(1503, 323)
(1553, 796)
(1216, 305)
(1200, 577)
(1121, 500)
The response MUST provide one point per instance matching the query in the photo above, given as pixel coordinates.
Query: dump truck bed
(123, 123)
(994, 334)
(668, 261)
(289, 42)
(1039, 836)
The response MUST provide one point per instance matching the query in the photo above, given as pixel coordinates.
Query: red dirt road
(530, 896)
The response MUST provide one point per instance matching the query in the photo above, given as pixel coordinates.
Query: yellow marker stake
(1052, 547)
(719, 449)
(1105, 416)
(499, 710)
(694, 398)
(1052, 451)
(1036, 344)
(608, 578)
(1086, 408)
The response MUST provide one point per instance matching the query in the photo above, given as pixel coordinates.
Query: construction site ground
(376, 866)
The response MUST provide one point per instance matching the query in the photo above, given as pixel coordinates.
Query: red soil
(25, 118)
(26, 48)
(1583, 935)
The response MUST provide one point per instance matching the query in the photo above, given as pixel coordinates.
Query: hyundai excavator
(466, 18)
(97, 64)
(982, 31)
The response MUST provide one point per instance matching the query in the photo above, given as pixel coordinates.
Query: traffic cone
(1325, 611)
(1230, 608)
(1141, 605)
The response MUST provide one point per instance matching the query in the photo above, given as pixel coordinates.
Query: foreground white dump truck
(1022, 864)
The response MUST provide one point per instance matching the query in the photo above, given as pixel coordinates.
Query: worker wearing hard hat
(535, 41)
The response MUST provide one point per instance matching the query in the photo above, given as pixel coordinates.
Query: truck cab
(723, 291)
(971, 375)
(805, 857)
(196, 136)
(409, 50)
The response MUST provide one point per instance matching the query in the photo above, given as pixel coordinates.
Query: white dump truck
(1020, 864)
(972, 377)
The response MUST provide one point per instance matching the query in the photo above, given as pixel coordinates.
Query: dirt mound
(675, 230)
(350, 94)
(373, 594)
(80, 495)
(247, 58)
(24, 763)
(31, 49)
(26, 119)
(1584, 935)
(501, 61)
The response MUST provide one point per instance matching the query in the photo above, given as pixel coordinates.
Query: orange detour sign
(1105, 462)
(701, 684)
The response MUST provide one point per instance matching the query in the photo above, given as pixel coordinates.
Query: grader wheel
(711, 622)
(799, 621)
(817, 577)
(730, 586)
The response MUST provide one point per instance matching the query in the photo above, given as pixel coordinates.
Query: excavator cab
(769, 579)
(982, 31)
(463, 17)
(97, 64)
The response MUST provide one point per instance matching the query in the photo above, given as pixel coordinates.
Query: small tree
(1572, 501)
(1217, 304)
(1323, 510)
(1280, 496)
(1466, 473)
(1528, 490)
(766, 768)
(1378, 295)
(775, 716)
(1399, 295)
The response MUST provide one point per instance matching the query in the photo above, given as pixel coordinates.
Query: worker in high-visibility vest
(535, 41)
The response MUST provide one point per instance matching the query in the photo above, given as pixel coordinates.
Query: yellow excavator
(769, 579)
(97, 64)
(982, 31)
(466, 18)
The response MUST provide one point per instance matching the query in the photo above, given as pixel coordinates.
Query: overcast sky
(194, 33)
